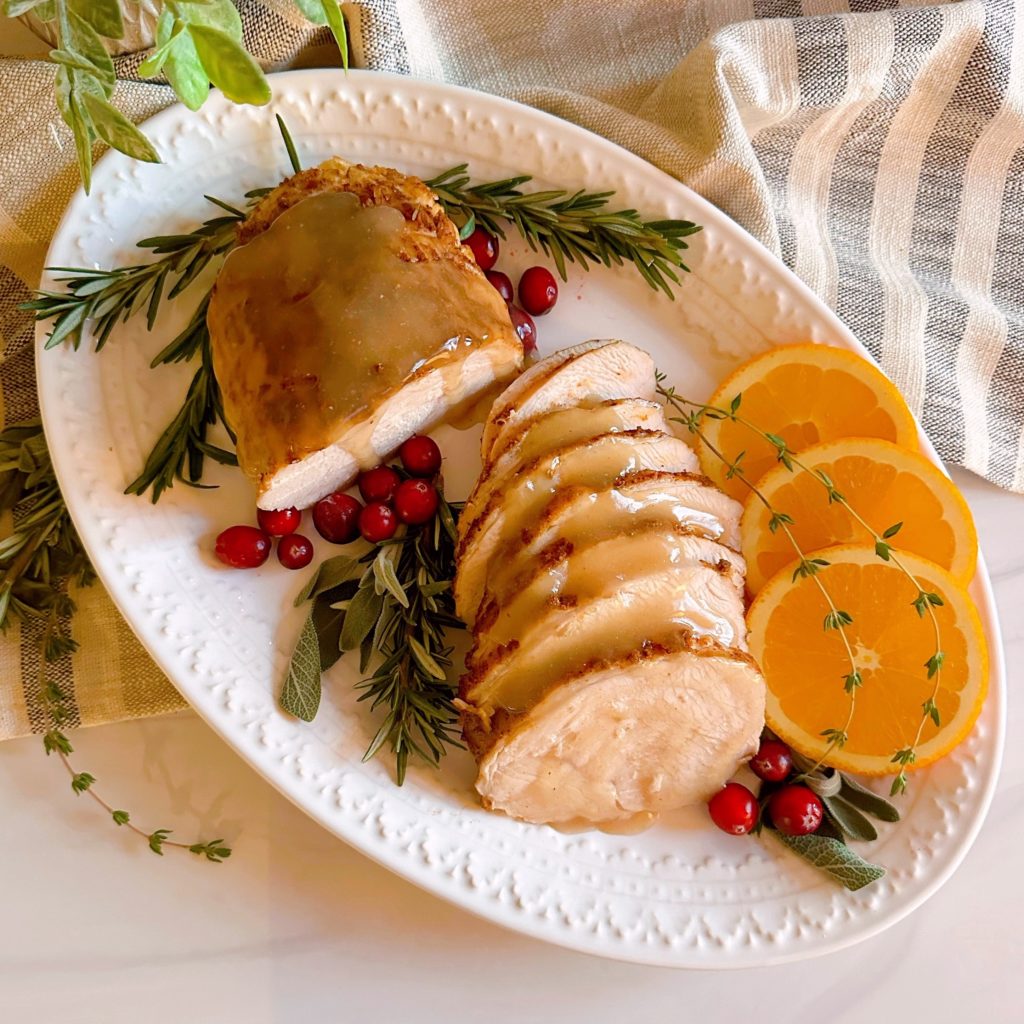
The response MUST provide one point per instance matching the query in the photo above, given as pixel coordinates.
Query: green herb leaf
(328, 620)
(850, 819)
(385, 577)
(424, 660)
(328, 575)
(16, 8)
(289, 144)
(182, 66)
(360, 618)
(336, 20)
(893, 530)
(120, 817)
(103, 15)
(81, 781)
(116, 130)
(156, 840)
(230, 68)
(867, 801)
(301, 693)
(835, 859)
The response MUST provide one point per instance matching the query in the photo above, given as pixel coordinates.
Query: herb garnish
(39, 562)
(573, 227)
(198, 43)
(394, 603)
(925, 602)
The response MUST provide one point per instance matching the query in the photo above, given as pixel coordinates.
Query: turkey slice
(661, 728)
(583, 374)
(596, 463)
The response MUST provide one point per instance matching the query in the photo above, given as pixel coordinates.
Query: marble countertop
(299, 927)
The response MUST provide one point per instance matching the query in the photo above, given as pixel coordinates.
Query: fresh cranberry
(379, 484)
(734, 809)
(538, 290)
(278, 522)
(415, 501)
(525, 328)
(503, 283)
(773, 761)
(485, 248)
(796, 811)
(377, 522)
(243, 547)
(295, 551)
(336, 518)
(420, 456)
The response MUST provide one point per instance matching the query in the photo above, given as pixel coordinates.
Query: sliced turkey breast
(595, 462)
(556, 429)
(584, 374)
(700, 597)
(566, 575)
(349, 318)
(586, 515)
(661, 728)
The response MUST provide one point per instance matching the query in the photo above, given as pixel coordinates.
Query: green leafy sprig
(198, 43)
(573, 227)
(40, 560)
(924, 603)
(393, 604)
(808, 566)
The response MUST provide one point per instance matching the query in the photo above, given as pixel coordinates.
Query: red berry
(336, 518)
(502, 282)
(485, 248)
(538, 290)
(415, 501)
(420, 456)
(773, 761)
(243, 547)
(796, 811)
(525, 328)
(278, 522)
(377, 522)
(295, 551)
(734, 809)
(378, 484)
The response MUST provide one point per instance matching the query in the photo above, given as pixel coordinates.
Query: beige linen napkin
(877, 147)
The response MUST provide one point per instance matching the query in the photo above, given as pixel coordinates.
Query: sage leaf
(219, 14)
(424, 660)
(116, 130)
(385, 577)
(312, 10)
(230, 68)
(849, 819)
(300, 695)
(871, 803)
(329, 621)
(360, 618)
(103, 15)
(83, 40)
(16, 8)
(331, 573)
(336, 21)
(835, 859)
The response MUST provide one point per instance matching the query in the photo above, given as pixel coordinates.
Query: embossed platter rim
(681, 894)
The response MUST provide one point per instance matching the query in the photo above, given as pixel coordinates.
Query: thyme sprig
(40, 561)
(575, 227)
(394, 605)
(924, 602)
(807, 567)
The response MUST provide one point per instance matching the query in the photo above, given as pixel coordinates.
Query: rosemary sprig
(573, 227)
(107, 297)
(924, 603)
(40, 560)
(807, 567)
(397, 612)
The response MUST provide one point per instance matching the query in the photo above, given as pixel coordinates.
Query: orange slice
(805, 394)
(805, 665)
(884, 484)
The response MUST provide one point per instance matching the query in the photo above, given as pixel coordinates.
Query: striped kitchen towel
(877, 147)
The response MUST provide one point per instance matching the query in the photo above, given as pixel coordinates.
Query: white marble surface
(298, 927)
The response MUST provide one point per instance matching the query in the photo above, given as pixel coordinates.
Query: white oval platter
(681, 894)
